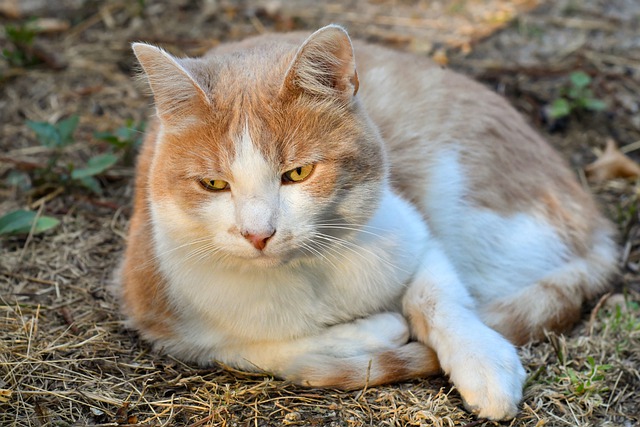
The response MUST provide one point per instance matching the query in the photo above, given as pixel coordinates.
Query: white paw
(371, 334)
(488, 373)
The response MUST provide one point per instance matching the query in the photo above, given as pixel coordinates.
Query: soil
(66, 356)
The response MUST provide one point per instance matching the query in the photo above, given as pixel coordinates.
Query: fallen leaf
(612, 164)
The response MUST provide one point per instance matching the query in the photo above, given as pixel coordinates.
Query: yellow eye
(298, 174)
(214, 184)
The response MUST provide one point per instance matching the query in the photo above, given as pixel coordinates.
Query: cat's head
(263, 154)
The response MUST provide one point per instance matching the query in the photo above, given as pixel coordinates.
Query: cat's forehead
(255, 71)
(253, 136)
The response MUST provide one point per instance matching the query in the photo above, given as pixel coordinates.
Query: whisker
(342, 227)
(330, 249)
(349, 227)
(316, 252)
(157, 257)
(353, 247)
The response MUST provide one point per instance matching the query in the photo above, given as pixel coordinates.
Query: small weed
(21, 38)
(57, 137)
(624, 319)
(577, 96)
(126, 138)
(589, 380)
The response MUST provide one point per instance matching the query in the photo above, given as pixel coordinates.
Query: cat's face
(262, 174)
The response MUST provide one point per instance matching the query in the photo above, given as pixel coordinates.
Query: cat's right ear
(178, 97)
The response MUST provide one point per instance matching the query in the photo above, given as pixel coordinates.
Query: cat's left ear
(324, 66)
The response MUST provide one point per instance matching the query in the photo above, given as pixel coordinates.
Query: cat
(342, 226)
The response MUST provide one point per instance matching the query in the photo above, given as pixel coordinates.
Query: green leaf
(593, 104)
(125, 137)
(559, 108)
(95, 166)
(107, 137)
(580, 79)
(21, 222)
(92, 184)
(66, 128)
(45, 223)
(47, 133)
(577, 93)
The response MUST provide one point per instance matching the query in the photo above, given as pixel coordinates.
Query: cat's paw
(370, 334)
(489, 376)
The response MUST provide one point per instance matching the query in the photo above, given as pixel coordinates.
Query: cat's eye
(298, 174)
(214, 184)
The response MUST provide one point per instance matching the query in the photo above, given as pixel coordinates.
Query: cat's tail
(413, 360)
(554, 303)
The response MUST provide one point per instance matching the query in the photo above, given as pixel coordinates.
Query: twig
(630, 147)
(46, 198)
(31, 279)
(22, 164)
(29, 237)
(596, 309)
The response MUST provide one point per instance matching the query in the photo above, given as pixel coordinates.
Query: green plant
(589, 380)
(625, 318)
(126, 138)
(21, 38)
(23, 222)
(577, 96)
(57, 137)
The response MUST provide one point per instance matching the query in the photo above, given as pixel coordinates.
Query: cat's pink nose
(258, 240)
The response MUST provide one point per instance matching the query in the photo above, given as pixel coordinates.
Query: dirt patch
(66, 357)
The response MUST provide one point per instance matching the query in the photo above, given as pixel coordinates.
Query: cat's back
(447, 133)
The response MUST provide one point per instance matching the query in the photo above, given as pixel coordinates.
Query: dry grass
(66, 357)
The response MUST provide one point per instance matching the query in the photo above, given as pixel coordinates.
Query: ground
(66, 357)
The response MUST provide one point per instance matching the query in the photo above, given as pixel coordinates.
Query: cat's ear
(324, 66)
(178, 97)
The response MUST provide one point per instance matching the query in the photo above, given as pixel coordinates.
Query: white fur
(482, 364)
(254, 189)
(494, 255)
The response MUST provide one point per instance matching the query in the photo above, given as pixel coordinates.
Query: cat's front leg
(369, 351)
(484, 366)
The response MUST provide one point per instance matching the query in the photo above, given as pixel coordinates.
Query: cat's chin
(261, 261)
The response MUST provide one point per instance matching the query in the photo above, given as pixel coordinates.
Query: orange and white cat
(340, 228)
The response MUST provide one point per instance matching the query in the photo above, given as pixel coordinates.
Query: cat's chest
(278, 305)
